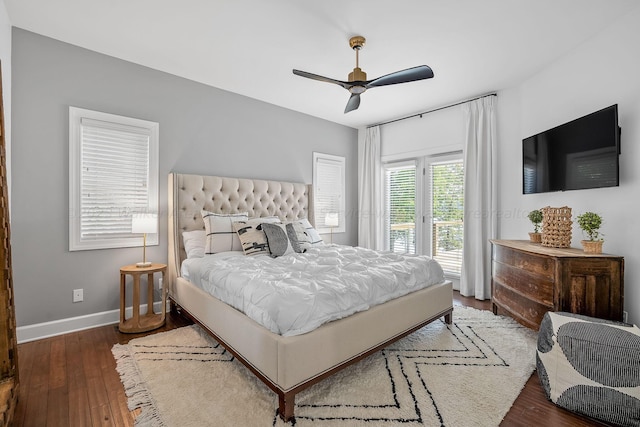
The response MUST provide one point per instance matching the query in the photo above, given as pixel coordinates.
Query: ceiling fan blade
(345, 85)
(353, 103)
(420, 72)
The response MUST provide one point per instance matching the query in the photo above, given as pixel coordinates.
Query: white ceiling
(250, 46)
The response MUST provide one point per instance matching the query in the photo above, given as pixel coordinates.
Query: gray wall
(203, 130)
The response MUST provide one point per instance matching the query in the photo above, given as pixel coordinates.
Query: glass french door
(424, 208)
(446, 211)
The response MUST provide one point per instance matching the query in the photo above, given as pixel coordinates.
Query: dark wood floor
(70, 380)
(531, 408)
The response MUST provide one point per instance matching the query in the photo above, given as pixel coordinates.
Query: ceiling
(250, 46)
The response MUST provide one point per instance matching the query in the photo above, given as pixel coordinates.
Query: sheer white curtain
(480, 193)
(370, 206)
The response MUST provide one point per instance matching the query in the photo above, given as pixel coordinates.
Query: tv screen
(576, 155)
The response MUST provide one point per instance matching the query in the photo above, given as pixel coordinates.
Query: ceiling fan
(358, 83)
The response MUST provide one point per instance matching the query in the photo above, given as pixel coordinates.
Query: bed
(286, 364)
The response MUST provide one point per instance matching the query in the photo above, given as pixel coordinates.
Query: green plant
(535, 216)
(590, 223)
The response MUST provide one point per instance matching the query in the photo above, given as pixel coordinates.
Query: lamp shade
(331, 220)
(144, 223)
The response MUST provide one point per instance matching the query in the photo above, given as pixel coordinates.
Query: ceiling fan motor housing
(357, 75)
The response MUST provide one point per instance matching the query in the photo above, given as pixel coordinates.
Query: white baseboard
(80, 323)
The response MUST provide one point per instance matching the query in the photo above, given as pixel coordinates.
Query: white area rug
(465, 374)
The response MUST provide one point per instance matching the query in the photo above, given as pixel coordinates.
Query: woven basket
(592, 246)
(556, 227)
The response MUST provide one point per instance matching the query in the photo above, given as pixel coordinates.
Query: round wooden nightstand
(150, 320)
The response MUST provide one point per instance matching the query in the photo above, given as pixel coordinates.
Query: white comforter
(295, 294)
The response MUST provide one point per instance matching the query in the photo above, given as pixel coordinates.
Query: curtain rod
(432, 111)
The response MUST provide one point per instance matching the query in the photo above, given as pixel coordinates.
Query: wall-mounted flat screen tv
(576, 155)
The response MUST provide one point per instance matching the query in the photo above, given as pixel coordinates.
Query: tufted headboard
(189, 194)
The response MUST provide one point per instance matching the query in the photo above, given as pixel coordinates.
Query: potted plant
(590, 223)
(535, 216)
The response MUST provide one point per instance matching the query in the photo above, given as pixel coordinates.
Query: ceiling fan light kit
(357, 82)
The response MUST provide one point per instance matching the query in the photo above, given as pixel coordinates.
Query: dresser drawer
(526, 283)
(518, 306)
(539, 265)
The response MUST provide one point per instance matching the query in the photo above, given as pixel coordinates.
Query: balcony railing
(446, 244)
(403, 237)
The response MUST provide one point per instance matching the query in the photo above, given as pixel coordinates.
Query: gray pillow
(281, 238)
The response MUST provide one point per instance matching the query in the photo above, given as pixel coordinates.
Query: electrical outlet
(160, 283)
(625, 317)
(78, 295)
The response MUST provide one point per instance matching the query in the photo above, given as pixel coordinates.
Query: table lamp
(331, 220)
(144, 223)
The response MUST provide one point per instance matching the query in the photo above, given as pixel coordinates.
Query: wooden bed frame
(287, 365)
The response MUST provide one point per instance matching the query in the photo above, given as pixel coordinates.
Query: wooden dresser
(528, 280)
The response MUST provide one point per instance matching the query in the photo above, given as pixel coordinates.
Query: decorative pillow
(194, 243)
(221, 237)
(307, 235)
(281, 238)
(252, 238)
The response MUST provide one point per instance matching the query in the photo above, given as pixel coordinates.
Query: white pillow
(252, 238)
(194, 243)
(221, 237)
(306, 234)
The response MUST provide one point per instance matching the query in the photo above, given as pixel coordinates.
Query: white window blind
(400, 195)
(113, 175)
(329, 190)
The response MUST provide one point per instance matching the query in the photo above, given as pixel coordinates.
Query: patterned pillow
(307, 235)
(194, 243)
(221, 237)
(281, 238)
(252, 238)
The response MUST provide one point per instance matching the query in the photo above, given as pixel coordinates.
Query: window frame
(76, 115)
(319, 218)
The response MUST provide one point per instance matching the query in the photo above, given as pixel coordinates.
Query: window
(329, 191)
(446, 178)
(400, 207)
(113, 173)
